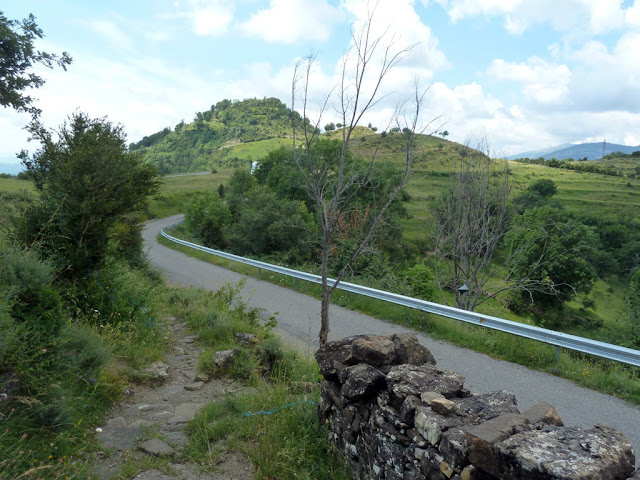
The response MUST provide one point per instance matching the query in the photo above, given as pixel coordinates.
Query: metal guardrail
(571, 342)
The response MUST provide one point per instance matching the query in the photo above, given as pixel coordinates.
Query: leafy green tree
(633, 308)
(18, 57)
(537, 194)
(329, 127)
(207, 217)
(268, 224)
(88, 183)
(550, 249)
(238, 188)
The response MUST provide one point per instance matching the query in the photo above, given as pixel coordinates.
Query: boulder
(223, 359)
(157, 371)
(541, 414)
(362, 381)
(409, 351)
(404, 380)
(156, 447)
(336, 351)
(486, 406)
(375, 350)
(566, 453)
(482, 439)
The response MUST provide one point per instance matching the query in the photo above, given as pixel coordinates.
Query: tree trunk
(326, 294)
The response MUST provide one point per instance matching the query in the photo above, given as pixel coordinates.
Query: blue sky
(526, 74)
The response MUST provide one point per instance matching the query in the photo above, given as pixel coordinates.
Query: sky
(525, 74)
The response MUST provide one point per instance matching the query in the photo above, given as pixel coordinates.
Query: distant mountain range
(593, 151)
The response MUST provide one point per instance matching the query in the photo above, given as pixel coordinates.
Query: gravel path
(299, 319)
(151, 423)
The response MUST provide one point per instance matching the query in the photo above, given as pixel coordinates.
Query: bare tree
(471, 218)
(334, 185)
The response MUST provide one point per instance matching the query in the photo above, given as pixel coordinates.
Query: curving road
(299, 320)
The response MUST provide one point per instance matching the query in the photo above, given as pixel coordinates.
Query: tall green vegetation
(90, 188)
(206, 142)
(251, 219)
(18, 57)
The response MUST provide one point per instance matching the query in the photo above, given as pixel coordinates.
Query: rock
(482, 439)
(188, 339)
(431, 425)
(153, 475)
(408, 409)
(117, 435)
(223, 359)
(362, 381)
(542, 414)
(443, 406)
(404, 380)
(156, 447)
(157, 371)
(375, 350)
(428, 397)
(185, 412)
(454, 449)
(409, 351)
(566, 453)
(487, 405)
(246, 339)
(201, 377)
(195, 386)
(336, 351)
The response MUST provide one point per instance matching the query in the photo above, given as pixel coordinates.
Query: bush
(207, 219)
(422, 281)
(25, 284)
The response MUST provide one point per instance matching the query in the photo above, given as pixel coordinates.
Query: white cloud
(543, 82)
(576, 16)
(210, 17)
(290, 21)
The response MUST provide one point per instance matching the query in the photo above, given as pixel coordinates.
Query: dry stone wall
(393, 414)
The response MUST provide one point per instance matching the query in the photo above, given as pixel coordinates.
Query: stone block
(566, 453)
(409, 351)
(405, 380)
(375, 350)
(431, 425)
(543, 413)
(362, 381)
(454, 449)
(486, 406)
(482, 439)
(443, 406)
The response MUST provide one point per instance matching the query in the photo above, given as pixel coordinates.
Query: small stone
(157, 371)
(443, 406)
(428, 397)
(156, 447)
(201, 377)
(195, 386)
(245, 339)
(542, 414)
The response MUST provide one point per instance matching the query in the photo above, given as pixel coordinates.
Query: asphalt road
(298, 318)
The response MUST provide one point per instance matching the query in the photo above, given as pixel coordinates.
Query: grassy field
(176, 190)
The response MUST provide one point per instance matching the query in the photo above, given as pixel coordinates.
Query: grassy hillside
(208, 140)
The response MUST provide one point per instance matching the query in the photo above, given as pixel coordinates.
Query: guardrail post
(556, 355)
(259, 272)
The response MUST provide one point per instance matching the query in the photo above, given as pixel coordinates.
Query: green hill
(206, 142)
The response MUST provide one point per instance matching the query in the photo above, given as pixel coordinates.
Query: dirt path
(151, 423)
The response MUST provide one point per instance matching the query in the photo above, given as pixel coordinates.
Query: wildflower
(24, 435)
(3, 396)
(98, 430)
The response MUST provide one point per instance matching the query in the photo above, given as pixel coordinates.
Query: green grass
(14, 185)
(176, 191)
(257, 150)
(599, 374)
(286, 444)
